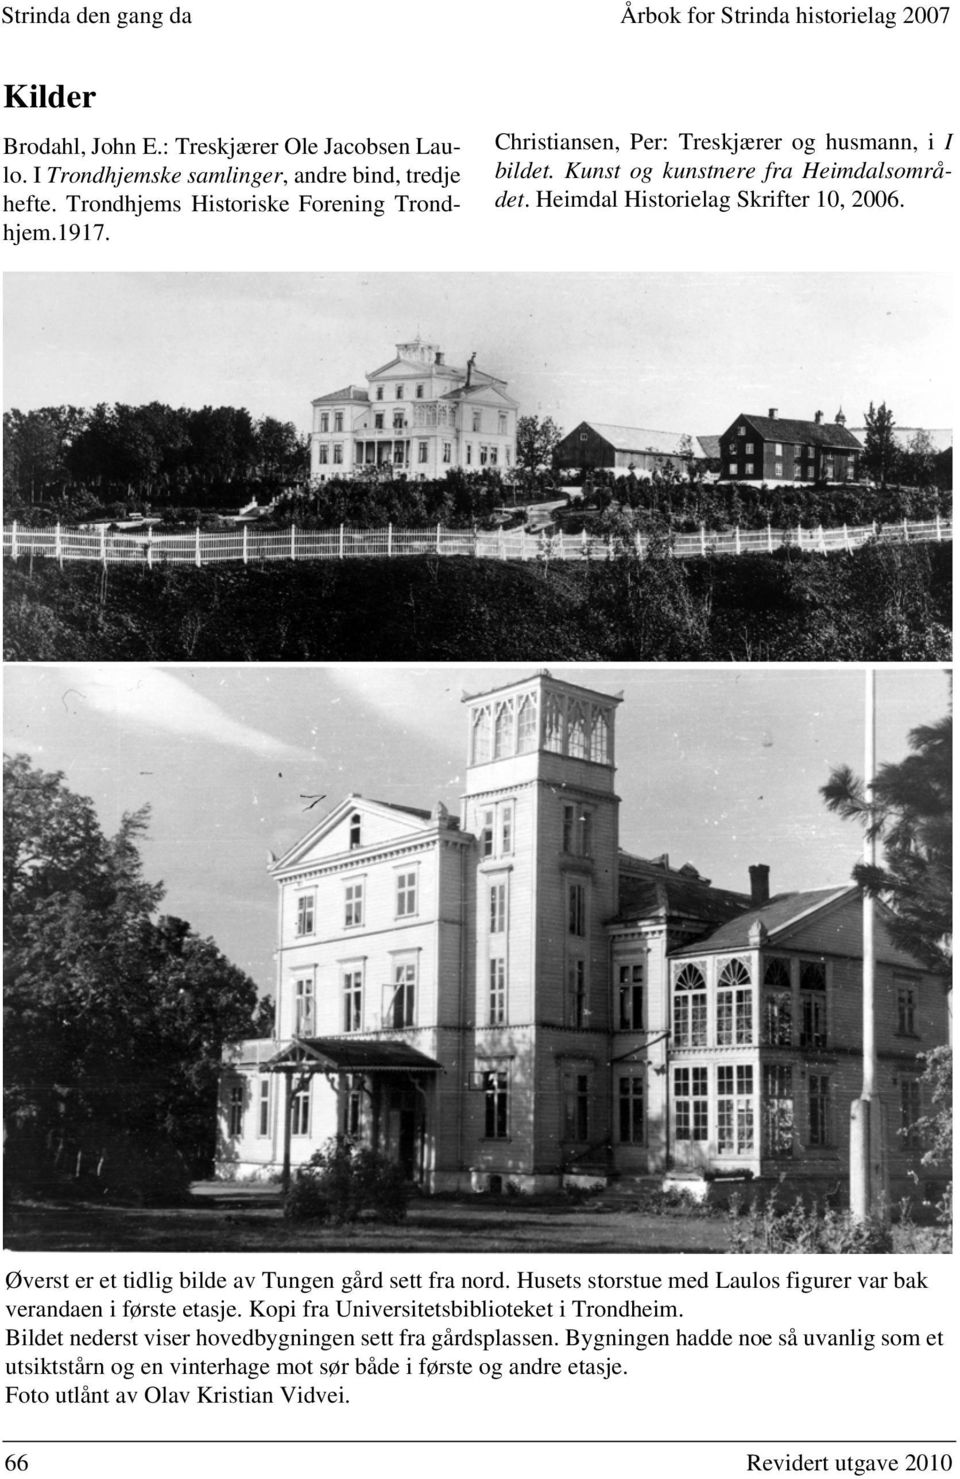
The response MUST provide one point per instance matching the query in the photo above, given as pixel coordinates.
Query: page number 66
(16, 1463)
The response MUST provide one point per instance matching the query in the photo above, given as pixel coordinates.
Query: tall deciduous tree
(114, 1020)
(537, 440)
(881, 453)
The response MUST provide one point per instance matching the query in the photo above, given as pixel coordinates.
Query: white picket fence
(253, 546)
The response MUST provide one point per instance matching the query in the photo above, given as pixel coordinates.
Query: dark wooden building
(775, 449)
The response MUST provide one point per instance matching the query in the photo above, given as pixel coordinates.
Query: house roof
(348, 393)
(709, 446)
(814, 433)
(781, 913)
(353, 1055)
(634, 438)
(651, 889)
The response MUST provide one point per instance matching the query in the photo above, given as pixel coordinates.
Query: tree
(537, 440)
(912, 819)
(881, 454)
(919, 459)
(114, 1020)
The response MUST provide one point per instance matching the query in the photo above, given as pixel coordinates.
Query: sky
(681, 352)
(720, 767)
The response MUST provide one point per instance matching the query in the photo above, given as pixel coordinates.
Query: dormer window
(355, 829)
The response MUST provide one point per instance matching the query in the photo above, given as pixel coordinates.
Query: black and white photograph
(478, 466)
(452, 959)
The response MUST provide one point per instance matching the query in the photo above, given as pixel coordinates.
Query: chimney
(759, 884)
(772, 413)
(470, 364)
(818, 419)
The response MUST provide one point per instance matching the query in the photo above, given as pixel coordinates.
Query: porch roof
(349, 1055)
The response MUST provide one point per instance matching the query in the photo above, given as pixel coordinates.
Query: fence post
(769, 540)
(502, 547)
(609, 546)
(150, 547)
(562, 555)
(57, 545)
(476, 542)
(736, 539)
(293, 541)
(13, 540)
(103, 543)
(246, 546)
(438, 539)
(196, 549)
(939, 530)
(823, 542)
(906, 534)
(703, 540)
(523, 544)
(846, 539)
(340, 552)
(583, 542)
(389, 540)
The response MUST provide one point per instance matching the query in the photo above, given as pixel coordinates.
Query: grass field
(879, 603)
(224, 1219)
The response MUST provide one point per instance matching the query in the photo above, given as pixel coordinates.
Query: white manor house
(505, 999)
(417, 416)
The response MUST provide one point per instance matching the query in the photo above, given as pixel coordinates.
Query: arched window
(690, 1008)
(553, 723)
(481, 736)
(355, 829)
(777, 1003)
(503, 730)
(577, 732)
(527, 724)
(734, 1005)
(600, 737)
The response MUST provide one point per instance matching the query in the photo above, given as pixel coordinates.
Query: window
(690, 1103)
(352, 1000)
(398, 454)
(690, 1009)
(476, 421)
(502, 423)
(734, 1005)
(419, 392)
(777, 1109)
(600, 738)
(748, 469)
(502, 730)
(777, 449)
(527, 725)
(910, 1113)
(493, 456)
(631, 1109)
(733, 469)
(482, 735)
(406, 894)
(506, 828)
(577, 732)
(483, 454)
(498, 991)
(748, 448)
(553, 724)
(777, 1004)
(630, 994)
(469, 453)
(303, 1006)
(263, 1120)
(358, 452)
(906, 1009)
(778, 467)
(236, 1109)
(576, 1106)
(813, 1004)
(338, 452)
(399, 392)
(402, 1007)
(495, 1091)
(576, 1012)
(324, 421)
(422, 451)
(378, 421)
(355, 826)
(398, 421)
(735, 1108)
(576, 909)
(353, 905)
(447, 451)
(498, 908)
(338, 421)
(818, 1107)
(741, 431)
(305, 913)
(379, 392)
(323, 455)
(576, 830)
(300, 1111)
(486, 832)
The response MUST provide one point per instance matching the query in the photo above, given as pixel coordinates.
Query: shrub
(802, 1229)
(345, 1181)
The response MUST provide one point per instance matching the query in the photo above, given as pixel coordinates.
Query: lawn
(239, 1219)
